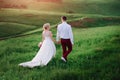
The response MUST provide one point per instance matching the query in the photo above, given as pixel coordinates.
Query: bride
(46, 52)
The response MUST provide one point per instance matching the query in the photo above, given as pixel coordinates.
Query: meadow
(95, 56)
(96, 50)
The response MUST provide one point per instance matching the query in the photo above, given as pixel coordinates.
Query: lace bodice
(46, 34)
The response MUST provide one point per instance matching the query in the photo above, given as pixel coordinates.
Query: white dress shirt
(64, 31)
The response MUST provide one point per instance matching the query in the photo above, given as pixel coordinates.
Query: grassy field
(38, 13)
(109, 7)
(95, 56)
(22, 21)
(10, 29)
(27, 20)
(96, 50)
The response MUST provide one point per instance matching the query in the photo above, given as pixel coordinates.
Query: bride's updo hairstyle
(46, 26)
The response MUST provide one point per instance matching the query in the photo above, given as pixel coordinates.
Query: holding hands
(58, 42)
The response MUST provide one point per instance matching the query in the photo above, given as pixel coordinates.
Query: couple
(48, 49)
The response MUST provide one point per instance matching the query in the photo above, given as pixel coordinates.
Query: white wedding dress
(45, 53)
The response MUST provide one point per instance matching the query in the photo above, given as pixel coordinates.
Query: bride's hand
(53, 40)
(58, 42)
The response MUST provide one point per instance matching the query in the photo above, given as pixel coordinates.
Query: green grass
(95, 56)
(96, 49)
(28, 17)
(109, 7)
(27, 20)
(95, 21)
(10, 29)
(37, 14)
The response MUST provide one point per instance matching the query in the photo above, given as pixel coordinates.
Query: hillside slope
(109, 7)
(95, 56)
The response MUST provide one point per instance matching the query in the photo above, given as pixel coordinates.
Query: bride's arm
(43, 37)
(51, 35)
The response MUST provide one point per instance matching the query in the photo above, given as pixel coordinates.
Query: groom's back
(64, 30)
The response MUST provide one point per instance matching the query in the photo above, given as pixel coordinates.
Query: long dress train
(44, 55)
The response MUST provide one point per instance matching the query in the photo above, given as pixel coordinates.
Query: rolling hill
(109, 7)
(96, 29)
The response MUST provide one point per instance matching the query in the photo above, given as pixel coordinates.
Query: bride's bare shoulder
(43, 32)
(50, 32)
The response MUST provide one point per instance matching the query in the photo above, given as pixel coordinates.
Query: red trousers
(66, 46)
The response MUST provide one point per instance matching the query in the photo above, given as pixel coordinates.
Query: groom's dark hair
(64, 18)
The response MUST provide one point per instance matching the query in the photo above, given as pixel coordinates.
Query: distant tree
(23, 6)
(1, 1)
(20, 4)
(54, 1)
(70, 11)
(15, 6)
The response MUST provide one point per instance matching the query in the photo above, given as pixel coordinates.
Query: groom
(65, 36)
